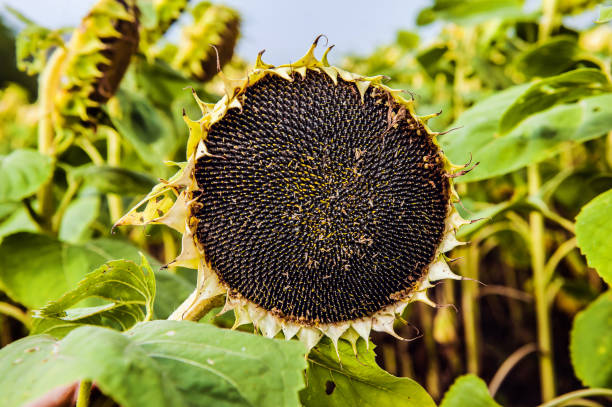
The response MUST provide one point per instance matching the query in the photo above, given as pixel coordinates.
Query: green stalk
(538, 265)
(48, 85)
(564, 398)
(469, 307)
(84, 393)
(16, 313)
(114, 160)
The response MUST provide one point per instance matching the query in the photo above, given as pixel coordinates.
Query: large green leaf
(127, 289)
(115, 180)
(357, 381)
(549, 58)
(591, 343)
(593, 234)
(160, 363)
(468, 390)
(567, 87)
(537, 138)
(22, 172)
(37, 268)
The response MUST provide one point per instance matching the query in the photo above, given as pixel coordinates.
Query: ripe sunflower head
(315, 199)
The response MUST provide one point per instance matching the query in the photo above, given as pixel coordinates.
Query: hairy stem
(538, 266)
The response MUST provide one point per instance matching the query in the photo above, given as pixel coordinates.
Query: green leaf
(128, 289)
(36, 269)
(81, 213)
(469, 12)
(358, 381)
(143, 126)
(14, 218)
(114, 180)
(483, 213)
(567, 87)
(160, 363)
(605, 14)
(591, 343)
(550, 58)
(593, 234)
(468, 390)
(537, 138)
(22, 172)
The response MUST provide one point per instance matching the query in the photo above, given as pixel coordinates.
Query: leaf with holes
(357, 381)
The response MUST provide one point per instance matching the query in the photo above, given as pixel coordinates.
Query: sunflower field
(426, 225)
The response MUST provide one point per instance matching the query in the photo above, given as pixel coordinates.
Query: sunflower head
(95, 61)
(315, 199)
(207, 44)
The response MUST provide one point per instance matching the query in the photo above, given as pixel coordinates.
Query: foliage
(521, 93)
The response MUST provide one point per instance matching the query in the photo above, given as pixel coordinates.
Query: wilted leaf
(591, 343)
(537, 138)
(567, 87)
(468, 390)
(358, 381)
(128, 289)
(114, 180)
(22, 172)
(593, 234)
(161, 363)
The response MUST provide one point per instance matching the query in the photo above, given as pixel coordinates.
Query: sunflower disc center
(312, 206)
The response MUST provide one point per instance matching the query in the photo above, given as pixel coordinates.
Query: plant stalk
(115, 204)
(577, 394)
(469, 307)
(84, 393)
(195, 307)
(538, 265)
(48, 85)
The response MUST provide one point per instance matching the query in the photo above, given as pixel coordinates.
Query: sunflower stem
(113, 142)
(564, 398)
(84, 393)
(48, 85)
(469, 308)
(538, 265)
(196, 306)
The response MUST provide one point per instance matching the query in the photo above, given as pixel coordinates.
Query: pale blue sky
(284, 28)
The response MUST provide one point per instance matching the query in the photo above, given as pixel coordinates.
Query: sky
(283, 28)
